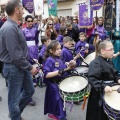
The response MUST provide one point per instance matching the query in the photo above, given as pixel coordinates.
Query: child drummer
(54, 70)
(101, 76)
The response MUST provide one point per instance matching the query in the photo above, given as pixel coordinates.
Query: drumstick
(118, 89)
(83, 60)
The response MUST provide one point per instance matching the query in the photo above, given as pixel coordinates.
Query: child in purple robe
(54, 71)
(45, 41)
(61, 35)
(67, 54)
(82, 47)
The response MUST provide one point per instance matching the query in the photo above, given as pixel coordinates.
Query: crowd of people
(59, 45)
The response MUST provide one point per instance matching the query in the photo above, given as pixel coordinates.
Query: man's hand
(34, 70)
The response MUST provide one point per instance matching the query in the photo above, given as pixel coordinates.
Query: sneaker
(32, 103)
(51, 116)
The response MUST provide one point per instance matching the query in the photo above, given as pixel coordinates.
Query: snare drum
(112, 104)
(74, 88)
(89, 58)
(82, 70)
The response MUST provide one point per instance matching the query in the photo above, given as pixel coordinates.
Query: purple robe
(66, 54)
(80, 47)
(31, 34)
(60, 39)
(101, 32)
(53, 101)
(42, 51)
(57, 27)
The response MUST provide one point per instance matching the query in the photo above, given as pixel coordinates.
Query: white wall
(75, 7)
(3, 2)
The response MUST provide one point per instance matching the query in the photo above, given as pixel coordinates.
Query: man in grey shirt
(14, 54)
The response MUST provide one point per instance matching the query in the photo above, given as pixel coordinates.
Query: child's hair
(68, 24)
(52, 46)
(44, 39)
(67, 39)
(62, 30)
(101, 45)
(82, 33)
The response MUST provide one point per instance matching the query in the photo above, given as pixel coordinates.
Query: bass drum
(88, 59)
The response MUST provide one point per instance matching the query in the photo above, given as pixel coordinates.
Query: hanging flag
(38, 7)
(28, 5)
(96, 4)
(108, 18)
(84, 20)
(117, 15)
(52, 7)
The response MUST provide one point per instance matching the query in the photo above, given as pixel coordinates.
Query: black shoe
(0, 98)
(32, 103)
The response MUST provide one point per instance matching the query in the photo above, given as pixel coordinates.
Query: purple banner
(84, 20)
(28, 5)
(96, 4)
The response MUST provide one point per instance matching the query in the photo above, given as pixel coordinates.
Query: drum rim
(85, 58)
(105, 103)
(76, 91)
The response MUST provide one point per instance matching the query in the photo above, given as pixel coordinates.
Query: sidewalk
(36, 112)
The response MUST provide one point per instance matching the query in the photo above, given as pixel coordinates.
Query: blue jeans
(17, 79)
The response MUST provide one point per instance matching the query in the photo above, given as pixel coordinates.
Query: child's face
(47, 42)
(82, 37)
(58, 51)
(108, 51)
(68, 44)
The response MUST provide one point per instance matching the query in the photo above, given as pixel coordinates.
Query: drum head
(89, 58)
(73, 84)
(82, 69)
(113, 99)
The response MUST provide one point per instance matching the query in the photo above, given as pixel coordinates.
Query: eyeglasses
(50, 24)
(29, 21)
(111, 49)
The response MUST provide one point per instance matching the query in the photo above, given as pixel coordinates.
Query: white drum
(112, 104)
(73, 88)
(89, 58)
(82, 70)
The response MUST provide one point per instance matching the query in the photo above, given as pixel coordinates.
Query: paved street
(36, 112)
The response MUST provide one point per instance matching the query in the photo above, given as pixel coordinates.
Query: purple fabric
(53, 101)
(30, 35)
(80, 48)
(66, 54)
(84, 21)
(102, 32)
(49, 65)
(29, 5)
(42, 51)
(57, 27)
(96, 4)
(60, 39)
